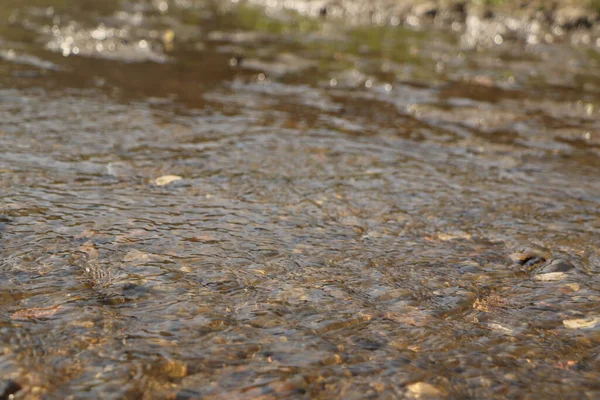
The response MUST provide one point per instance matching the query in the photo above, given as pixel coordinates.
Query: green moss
(254, 18)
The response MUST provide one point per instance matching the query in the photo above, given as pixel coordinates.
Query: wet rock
(582, 323)
(369, 344)
(423, 390)
(174, 369)
(529, 257)
(455, 235)
(166, 180)
(188, 394)
(570, 288)
(557, 265)
(555, 270)
(36, 313)
(491, 302)
(8, 387)
(379, 387)
(289, 387)
(264, 322)
(550, 276)
(469, 268)
(502, 329)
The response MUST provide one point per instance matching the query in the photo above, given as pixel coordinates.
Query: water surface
(364, 212)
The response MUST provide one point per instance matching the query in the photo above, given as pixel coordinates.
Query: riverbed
(206, 201)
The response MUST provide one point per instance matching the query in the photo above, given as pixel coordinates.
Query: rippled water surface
(363, 212)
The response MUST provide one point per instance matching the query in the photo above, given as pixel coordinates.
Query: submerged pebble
(555, 270)
(350, 222)
(550, 276)
(35, 313)
(582, 323)
(557, 265)
(529, 257)
(166, 179)
(570, 288)
(423, 391)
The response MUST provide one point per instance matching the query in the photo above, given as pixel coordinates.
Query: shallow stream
(363, 212)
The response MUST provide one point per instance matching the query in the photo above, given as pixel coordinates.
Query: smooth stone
(529, 257)
(550, 276)
(423, 390)
(166, 179)
(557, 266)
(581, 323)
(175, 369)
(501, 328)
(570, 288)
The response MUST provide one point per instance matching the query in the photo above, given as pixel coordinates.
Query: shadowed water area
(363, 212)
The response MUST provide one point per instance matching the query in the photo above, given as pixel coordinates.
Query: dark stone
(369, 344)
(530, 262)
(529, 257)
(8, 387)
(188, 394)
(557, 266)
(129, 286)
(469, 269)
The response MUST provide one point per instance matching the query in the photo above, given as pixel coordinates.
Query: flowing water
(364, 212)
